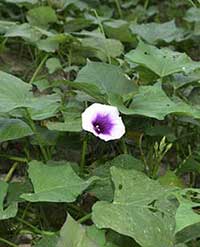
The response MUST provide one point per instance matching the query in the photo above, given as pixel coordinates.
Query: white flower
(103, 121)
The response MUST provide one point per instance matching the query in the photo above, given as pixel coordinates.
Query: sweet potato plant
(100, 123)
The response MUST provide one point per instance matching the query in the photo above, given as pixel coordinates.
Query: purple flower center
(102, 124)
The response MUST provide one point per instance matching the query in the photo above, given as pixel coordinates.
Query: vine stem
(4, 43)
(7, 242)
(14, 158)
(33, 127)
(102, 31)
(146, 4)
(35, 229)
(124, 146)
(84, 218)
(142, 153)
(119, 8)
(83, 154)
(38, 69)
(10, 172)
(192, 3)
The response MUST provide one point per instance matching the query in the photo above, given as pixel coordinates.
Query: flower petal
(117, 131)
(92, 113)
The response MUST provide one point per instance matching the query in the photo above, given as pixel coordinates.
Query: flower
(103, 121)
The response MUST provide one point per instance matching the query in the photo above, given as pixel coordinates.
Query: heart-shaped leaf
(163, 61)
(12, 208)
(56, 182)
(11, 129)
(185, 214)
(14, 93)
(108, 78)
(154, 32)
(130, 213)
(151, 101)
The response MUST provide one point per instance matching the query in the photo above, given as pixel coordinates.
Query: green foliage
(163, 61)
(49, 241)
(185, 214)
(76, 233)
(11, 209)
(62, 186)
(170, 179)
(151, 227)
(11, 129)
(53, 64)
(55, 182)
(72, 123)
(118, 29)
(25, 31)
(155, 32)
(152, 101)
(103, 48)
(108, 78)
(103, 188)
(192, 15)
(14, 93)
(41, 16)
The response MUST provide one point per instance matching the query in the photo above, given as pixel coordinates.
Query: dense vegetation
(61, 186)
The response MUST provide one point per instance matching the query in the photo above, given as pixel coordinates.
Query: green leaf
(103, 188)
(103, 48)
(47, 138)
(129, 3)
(99, 237)
(11, 129)
(88, 88)
(44, 106)
(181, 245)
(53, 64)
(55, 182)
(194, 96)
(118, 29)
(155, 32)
(51, 43)
(129, 214)
(161, 130)
(25, 31)
(6, 25)
(41, 16)
(22, 1)
(14, 93)
(151, 101)
(190, 164)
(16, 189)
(81, 5)
(11, 210)
(187, 234)
(73, 25)
(73, 234)
(49, 241)
(39, 107)
(181, 80)
(162, 61)
(185, 214)
(193, 15)
(170, 179)
(72, 123)
(196, 28)
(119, 240)
(76, 235)
(108, 78)
(42, 84)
